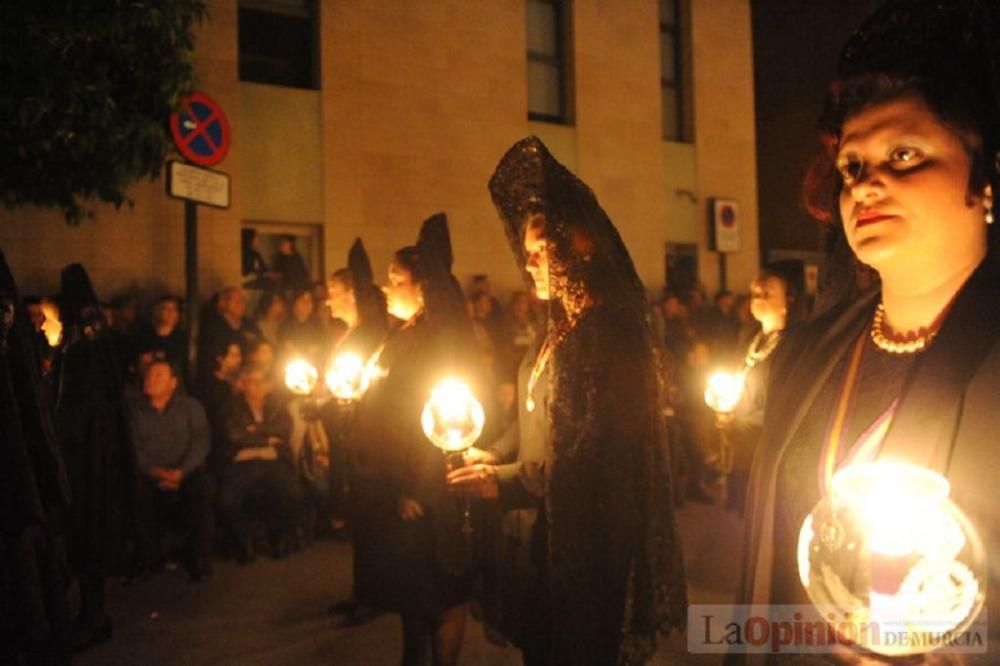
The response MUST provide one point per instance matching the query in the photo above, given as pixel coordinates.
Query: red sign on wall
(200, 130)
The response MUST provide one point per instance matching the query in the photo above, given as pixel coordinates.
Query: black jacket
(242, 431)
(947, 420)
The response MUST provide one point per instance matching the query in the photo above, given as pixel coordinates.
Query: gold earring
(988, 204)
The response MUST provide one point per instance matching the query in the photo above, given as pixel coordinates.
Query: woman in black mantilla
(411, 556)
(100, 460)
(910, 369)
(607, 568)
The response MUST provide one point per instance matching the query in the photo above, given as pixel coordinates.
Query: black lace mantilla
(615, 567)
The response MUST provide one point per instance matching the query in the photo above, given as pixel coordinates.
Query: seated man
(257, 464)
(171, 438)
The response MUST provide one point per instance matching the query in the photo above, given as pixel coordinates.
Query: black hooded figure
(34, 496)
(100, 460)
(372, 321)
(609, 571)
(410, 554)
(367, 323)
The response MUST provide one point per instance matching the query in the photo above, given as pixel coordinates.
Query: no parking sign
(200, 130)
(726, 225)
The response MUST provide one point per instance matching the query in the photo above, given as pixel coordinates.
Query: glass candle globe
(301, 377)
(346, 378)
(886, 552)
(724, 391)
(452, 419)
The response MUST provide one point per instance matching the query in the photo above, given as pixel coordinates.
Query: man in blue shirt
(172, 441)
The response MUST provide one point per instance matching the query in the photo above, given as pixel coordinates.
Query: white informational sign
(197, 184)
(726, 225)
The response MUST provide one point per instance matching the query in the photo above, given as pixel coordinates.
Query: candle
(301, 376)
(888, 548)
(724, 391)
(346, 378)
(452, 419)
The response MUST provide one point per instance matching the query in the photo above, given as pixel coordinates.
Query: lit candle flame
(301, 376)
(894, 500)
(724, 391)
(347, 378)
(452, 419)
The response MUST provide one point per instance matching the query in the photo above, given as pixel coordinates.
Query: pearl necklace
(761, 347)
(916, 345)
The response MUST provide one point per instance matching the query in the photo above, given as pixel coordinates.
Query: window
(682, 267)
(307, 239)
(278, 42)
(677, 125)
(547, 85)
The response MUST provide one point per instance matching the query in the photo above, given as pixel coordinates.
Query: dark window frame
(675, 83)
(311, 79)
(557, 60)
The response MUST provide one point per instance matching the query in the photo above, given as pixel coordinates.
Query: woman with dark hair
(773, 305)
(910, 367)
(410, 554)
(602, 572)
(272, 311)
(301, 335)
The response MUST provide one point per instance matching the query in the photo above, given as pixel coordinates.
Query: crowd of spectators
(222, 446)
(217, 435)
(698, 338)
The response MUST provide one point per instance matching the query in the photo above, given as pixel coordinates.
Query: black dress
(416, 567)
(34, 574)
(946, 419)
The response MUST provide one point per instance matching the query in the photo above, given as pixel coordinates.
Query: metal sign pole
(191, 279)
(201, 134)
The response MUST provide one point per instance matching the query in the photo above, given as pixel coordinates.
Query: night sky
(796, 44)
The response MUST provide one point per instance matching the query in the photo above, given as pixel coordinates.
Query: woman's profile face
(537, 259)
(340, 301)
(905, 203)
(769, 301)
(403, 296)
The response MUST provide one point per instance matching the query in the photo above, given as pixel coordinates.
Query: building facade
(381, 113)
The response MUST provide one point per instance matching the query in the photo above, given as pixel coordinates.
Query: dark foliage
(88, 86)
